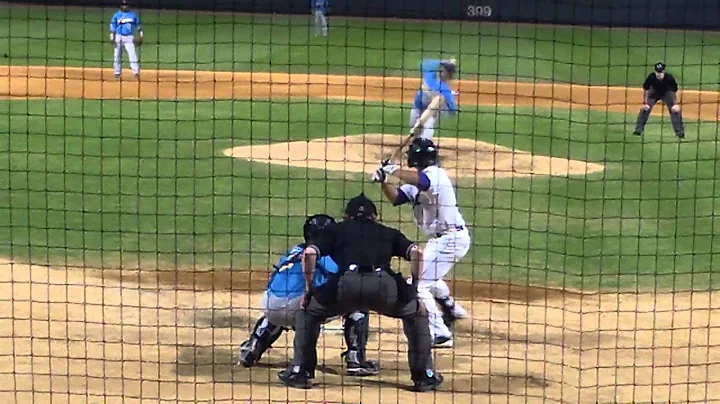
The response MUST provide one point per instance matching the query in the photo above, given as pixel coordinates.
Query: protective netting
(141, 216)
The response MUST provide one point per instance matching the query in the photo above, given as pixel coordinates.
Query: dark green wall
(690, 14)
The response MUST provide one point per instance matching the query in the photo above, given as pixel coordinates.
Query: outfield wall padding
(688, 14)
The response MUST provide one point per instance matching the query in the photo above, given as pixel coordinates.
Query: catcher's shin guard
(262, 337)
(355, 329)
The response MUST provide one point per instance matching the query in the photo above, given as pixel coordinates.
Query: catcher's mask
(360, 207)
(422, 153)
(315, 224)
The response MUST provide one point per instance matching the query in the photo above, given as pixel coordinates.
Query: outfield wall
(690, 14)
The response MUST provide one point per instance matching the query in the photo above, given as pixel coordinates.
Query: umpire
(362, 248)
(660, 85)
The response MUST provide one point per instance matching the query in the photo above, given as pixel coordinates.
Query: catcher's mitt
(138, 41)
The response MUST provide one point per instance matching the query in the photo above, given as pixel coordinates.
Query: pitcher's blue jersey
(318, 5)
(124, 23)
(288, 280)
(432, 85)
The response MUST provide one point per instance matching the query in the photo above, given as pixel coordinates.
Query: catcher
(282, 302)
(123, 25)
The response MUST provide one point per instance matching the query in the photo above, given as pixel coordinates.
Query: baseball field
(139, 219)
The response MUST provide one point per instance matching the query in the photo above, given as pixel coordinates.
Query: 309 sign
(479, 11)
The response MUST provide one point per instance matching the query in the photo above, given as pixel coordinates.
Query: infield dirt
(85, 335)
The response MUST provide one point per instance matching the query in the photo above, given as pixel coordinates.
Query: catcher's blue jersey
(124, 23)
(288, 280)
(432, 85)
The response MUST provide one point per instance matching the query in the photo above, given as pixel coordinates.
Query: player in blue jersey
(319, 9)
(123, 25)
(435, 77)
(283, 298)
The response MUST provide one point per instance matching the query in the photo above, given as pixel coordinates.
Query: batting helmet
(422, 153)
(315, 224)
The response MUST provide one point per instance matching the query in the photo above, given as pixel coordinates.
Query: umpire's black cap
(360, 207)
(659, 67)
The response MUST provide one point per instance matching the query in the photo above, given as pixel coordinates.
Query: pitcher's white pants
(429, 128)
(439, 256)
(127, 42)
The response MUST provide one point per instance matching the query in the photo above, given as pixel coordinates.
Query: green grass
(205, 41)
(162, 192)
(125, 183)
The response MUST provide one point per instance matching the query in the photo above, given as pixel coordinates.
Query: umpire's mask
(360, 207)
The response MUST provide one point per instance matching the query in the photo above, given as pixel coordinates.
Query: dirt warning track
(94, 83)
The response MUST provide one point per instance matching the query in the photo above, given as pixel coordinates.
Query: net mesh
(142, 215)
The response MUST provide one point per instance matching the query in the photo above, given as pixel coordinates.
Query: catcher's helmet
(315, 224)
(422, 153)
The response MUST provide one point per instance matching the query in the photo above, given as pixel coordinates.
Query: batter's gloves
(379, 176)
(388, 167)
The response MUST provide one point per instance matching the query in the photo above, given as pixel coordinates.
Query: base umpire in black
(362, 248)
(660, 85)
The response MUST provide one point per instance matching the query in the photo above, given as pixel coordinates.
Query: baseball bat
(432, 109)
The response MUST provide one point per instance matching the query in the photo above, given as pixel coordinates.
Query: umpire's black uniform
(363, 248)
(660, 85)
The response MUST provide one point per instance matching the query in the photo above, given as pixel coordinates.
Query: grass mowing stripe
(161, 191)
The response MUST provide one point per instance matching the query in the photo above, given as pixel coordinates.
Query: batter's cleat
(443, 342)
(637, 133)
(431, 381)
(117, 77)
(296, 378)
(451, 311)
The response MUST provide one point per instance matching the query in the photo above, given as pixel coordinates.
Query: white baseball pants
(127, 42)
(429, 129)
(281, 311)
(321, 25)
(439, 256)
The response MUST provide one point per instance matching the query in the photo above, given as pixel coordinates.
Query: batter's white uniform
(436, 212)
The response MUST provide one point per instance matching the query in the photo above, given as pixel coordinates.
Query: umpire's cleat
(681, 136)
(443, 342)
(430, 382)
(296, 378)
(637, 133)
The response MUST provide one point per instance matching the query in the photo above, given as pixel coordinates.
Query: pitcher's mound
(363, 154)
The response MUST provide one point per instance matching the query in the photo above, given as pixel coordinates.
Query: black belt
(457, 228)
(365, 269)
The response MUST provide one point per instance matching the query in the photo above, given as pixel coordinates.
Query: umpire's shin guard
(417, 331)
